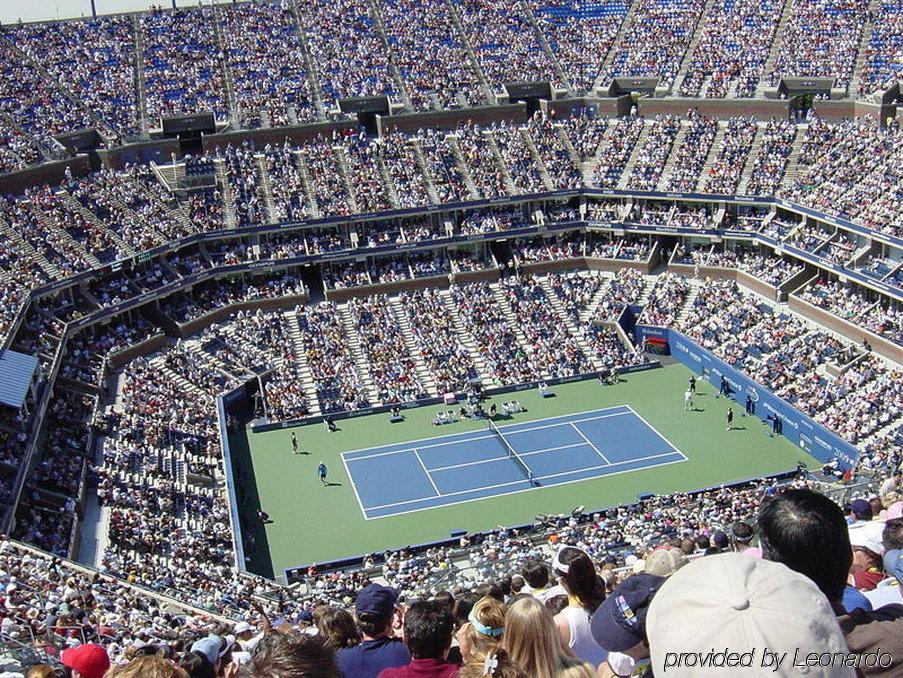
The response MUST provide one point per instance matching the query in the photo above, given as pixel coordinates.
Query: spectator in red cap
(86, 661)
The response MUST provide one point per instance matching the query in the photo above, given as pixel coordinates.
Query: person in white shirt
(585, 591)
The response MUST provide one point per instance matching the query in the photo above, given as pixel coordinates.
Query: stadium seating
(472, 237)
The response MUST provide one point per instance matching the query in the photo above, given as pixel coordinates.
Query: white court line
(657, 432)
(482, 437)
(598, 451)
(353, 486)
(523, 423)
(505, 458)
(518, 482)
(526, 489)
(427, 472)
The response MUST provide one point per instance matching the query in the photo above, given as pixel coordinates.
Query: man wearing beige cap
(665, 561)
(733, 615)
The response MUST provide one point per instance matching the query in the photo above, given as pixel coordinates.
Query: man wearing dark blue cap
(374, 609)
(859, 511)
(619, 626)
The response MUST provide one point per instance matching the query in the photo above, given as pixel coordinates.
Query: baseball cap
(665, 562)
(241, 627)
(88, 659)
(861, 509)
(620, 621)
(719, 539)
(376, 600)
(868, 535)
(745, 604)
(212, 647)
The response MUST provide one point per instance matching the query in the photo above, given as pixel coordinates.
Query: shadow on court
(253, 532)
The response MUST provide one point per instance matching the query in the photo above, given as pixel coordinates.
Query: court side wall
(231, 495)
(798, 428)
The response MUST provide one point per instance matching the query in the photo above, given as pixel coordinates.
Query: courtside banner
(800, 429)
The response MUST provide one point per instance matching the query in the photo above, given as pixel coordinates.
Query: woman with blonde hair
(479, 640)
(535, 645)
(152, 666)
(482, 632)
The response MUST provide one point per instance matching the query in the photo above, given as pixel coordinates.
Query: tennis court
(452, 469)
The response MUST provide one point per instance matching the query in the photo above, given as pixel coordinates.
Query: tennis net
(512, 455)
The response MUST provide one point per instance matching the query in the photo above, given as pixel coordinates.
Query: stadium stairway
(309, 194)
(602, 78)
(714, 151)
(752, 158)
(588, 167)
(224, 66)
(400, 89)
(407, 333)
(513, 323)
(572, 328)
(388, 184)
(312, 80)
(672, 150)
(222, 180)
(303, 367)
(792, 170)
(91, 218)
(422, 166)
(180, 381)
(550, 54)
(672, 157)
(341, 159)
(467, 340)
(215, 363)
(266, 189)
(140, 78)
(776, 44)
(63, 235)
(691, 48)
(361, 363)
(25, 247)
(489, 138)
(643, 299)
(589, 311)
(859, 65)
(634, 156)
(462, 167)
(687, 307)
(464, 40)
(540, 165)
(568, 146)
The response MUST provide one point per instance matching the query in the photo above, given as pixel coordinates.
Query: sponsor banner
(800, 429)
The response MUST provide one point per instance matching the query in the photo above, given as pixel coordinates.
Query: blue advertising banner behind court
(797, 427)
